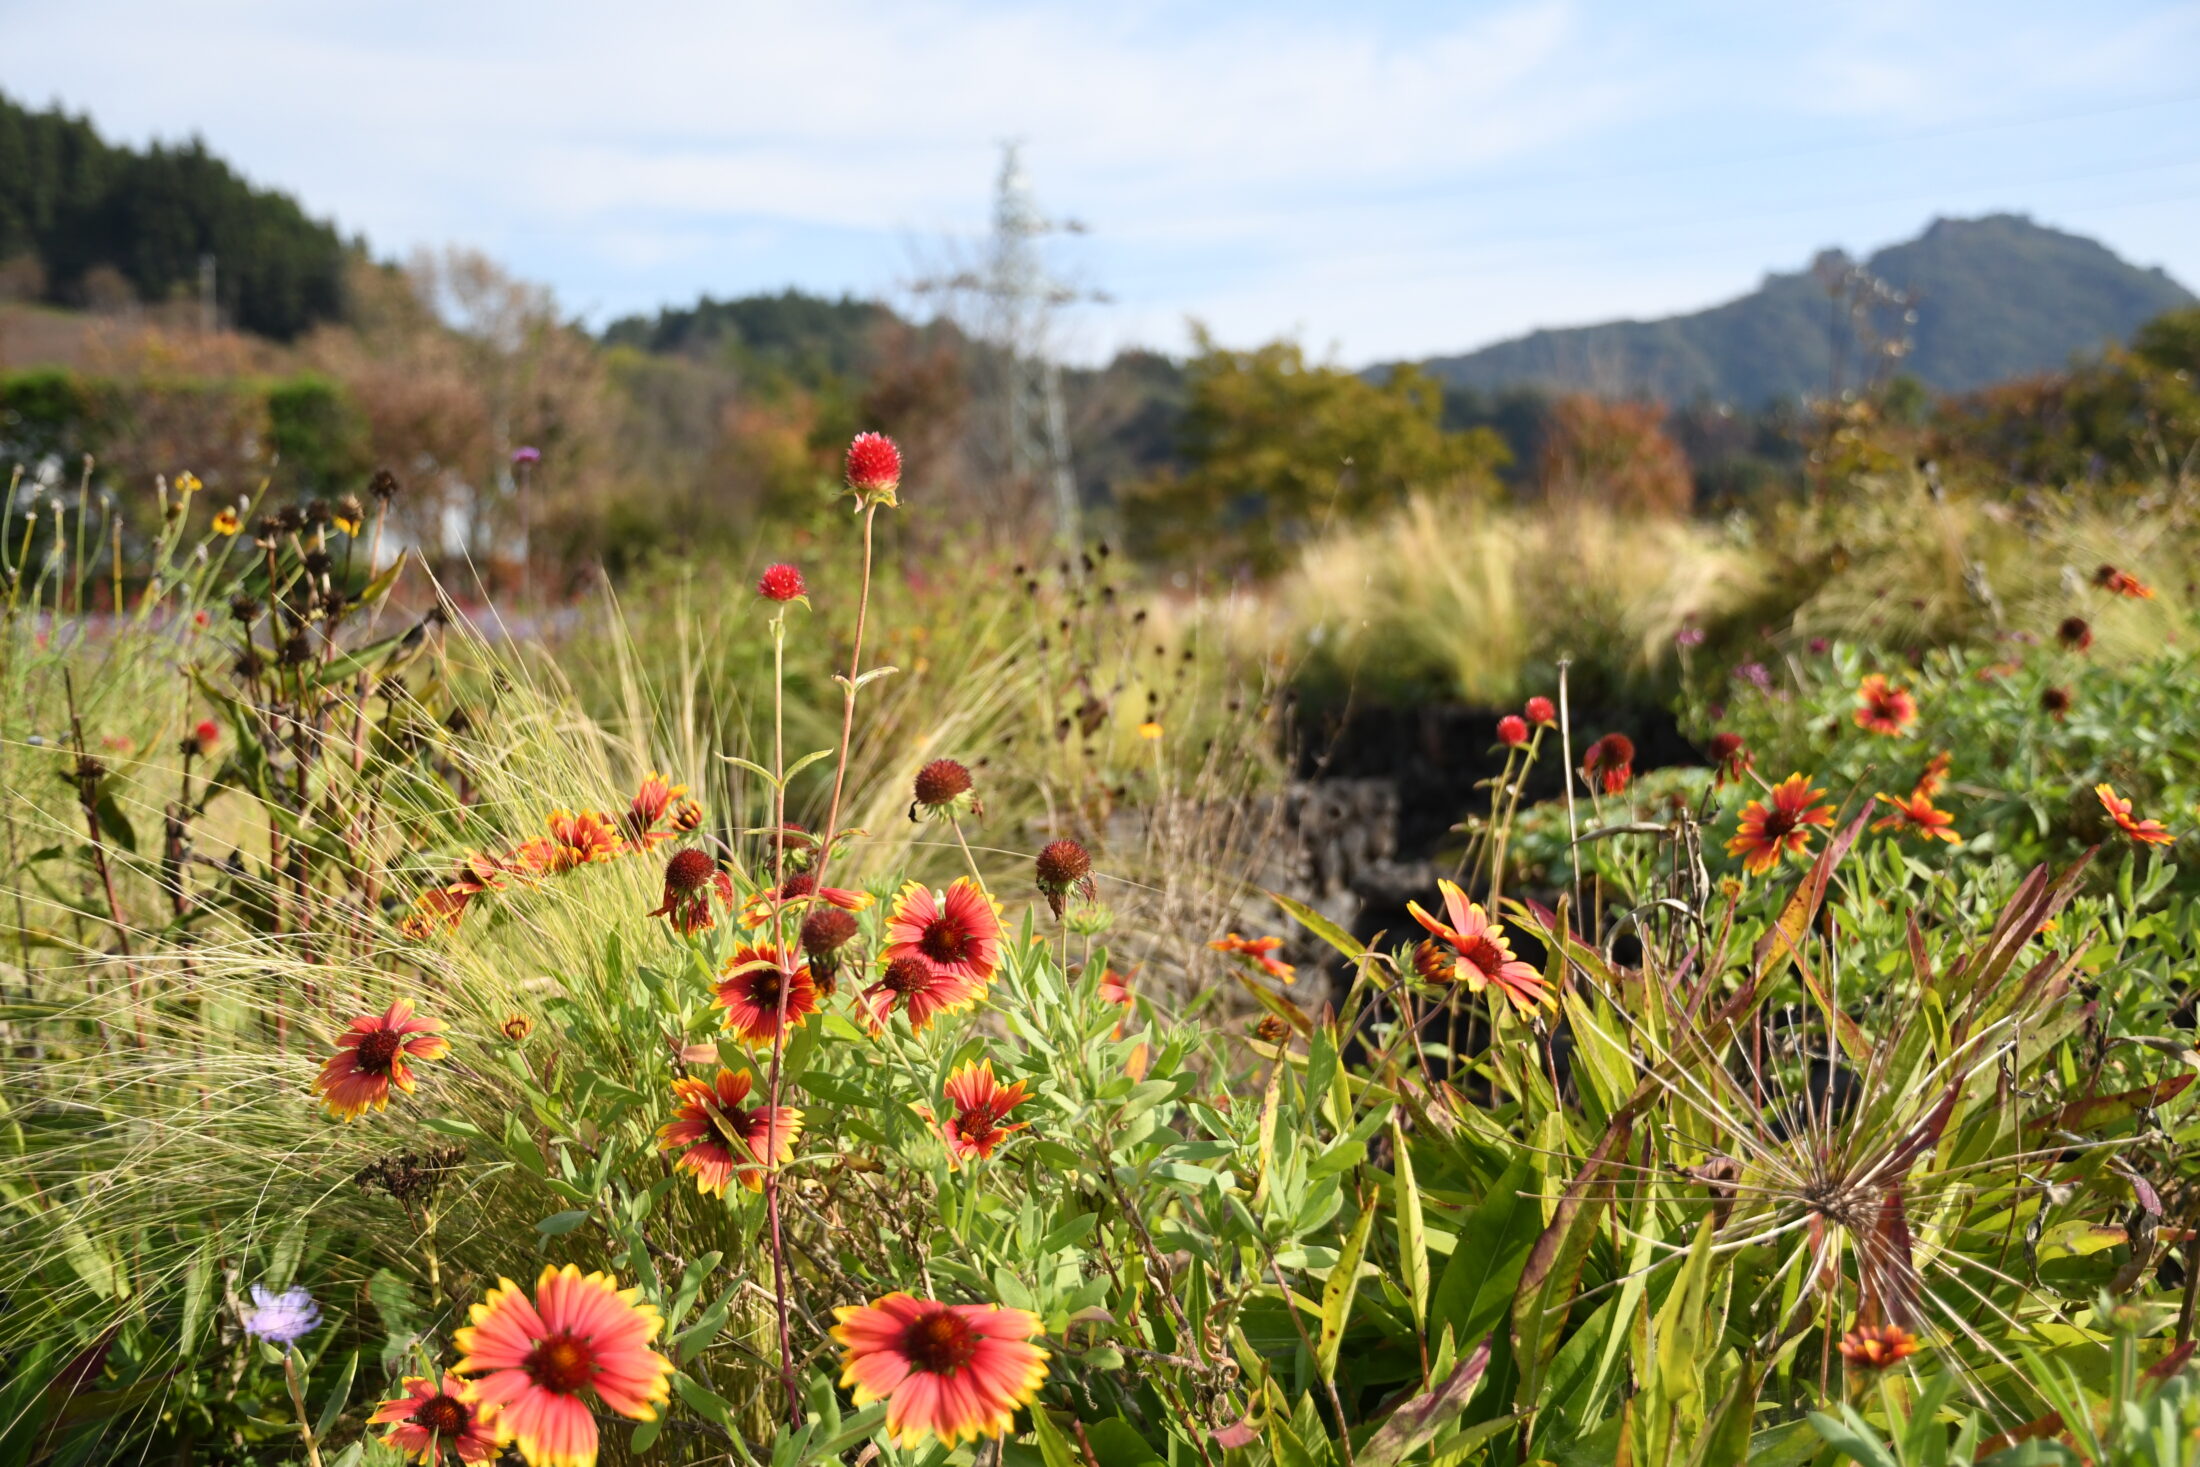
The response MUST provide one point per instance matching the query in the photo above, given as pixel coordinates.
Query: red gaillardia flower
(576, 839)
(943, 788)
(371, 1057)
(1259, 951)
(957, 931)
(1935, 776)
(2146, 832)
(691, 879)
(1512, 730)
(727, 1141)
(436, 909)
(2055, 702)
(1770, 830)
(913, 985)
(1877, 1346)
(874, 469)
(954, 1371)
(2122, 583)
(781, 583)
(1609, 763)
(1730, 759)
(1882, 708)
(533, 1360)
(749, 993)
(651, 803)
(757, 910)
(1917, 814)
(1541, 713)
(430, 1420)
(1064, 866)
(981, 1108)
(1480, 956)
(2075, 633)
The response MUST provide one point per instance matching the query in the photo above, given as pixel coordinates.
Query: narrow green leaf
(1338, 1292)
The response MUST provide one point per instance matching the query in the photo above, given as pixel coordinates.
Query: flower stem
(780, 946)
(298, 1403)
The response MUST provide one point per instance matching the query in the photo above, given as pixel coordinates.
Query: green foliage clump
(1279, 449)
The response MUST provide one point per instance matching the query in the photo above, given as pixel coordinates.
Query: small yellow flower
(227, 523)
(1149, 729)
(187, 483)
(348, 526)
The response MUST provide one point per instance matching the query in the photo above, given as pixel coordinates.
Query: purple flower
(526, 454)
(1688, 636)
(1818, 646)
(1755, 675)
(282, 1319)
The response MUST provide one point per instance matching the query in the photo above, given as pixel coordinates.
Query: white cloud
(1397, 182)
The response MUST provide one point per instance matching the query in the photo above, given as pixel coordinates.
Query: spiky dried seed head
(941, 783)
(827, 930)
(689, 870)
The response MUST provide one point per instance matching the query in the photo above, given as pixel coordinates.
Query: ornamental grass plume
(538, 1361)
(954, 1371)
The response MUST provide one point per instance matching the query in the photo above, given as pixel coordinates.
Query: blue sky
(1380, 181)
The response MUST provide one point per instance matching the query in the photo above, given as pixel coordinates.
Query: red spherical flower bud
(1512, 730)
(827, 930)
(1609, 763)
(1541, 713)
(691, 879)
(780, 583)
(202, 738)
(943, 787)
(2075, 633)
(874, 466)
(1063, 867)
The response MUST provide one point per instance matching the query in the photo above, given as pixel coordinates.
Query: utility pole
(1018, 298)
(207, 317)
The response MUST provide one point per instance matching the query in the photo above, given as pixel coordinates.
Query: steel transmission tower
(1017, 298)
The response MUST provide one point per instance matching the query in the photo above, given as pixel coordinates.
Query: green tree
(1278, 448)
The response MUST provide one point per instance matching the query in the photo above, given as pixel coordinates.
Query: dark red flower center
(688, 870)
(906, 976)
(377, 1051)
(1485, 955)
(764, 988)
(941, 781)
(827, 930)
(946, 939)
(799, 885)
(446, 1416)
(1778, 823)
(940, 1343)
(561, 1363)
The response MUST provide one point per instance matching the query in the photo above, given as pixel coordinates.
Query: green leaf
(558, 1224)
(339, 1396)
(756, 769)
(1553, 1272)
(1314, 922)
(806, 761)
(1338, 1292)
(1415, 1424)
(1053, 1448)
(1478, 1280)
(1412, 1242)
(282, 1263)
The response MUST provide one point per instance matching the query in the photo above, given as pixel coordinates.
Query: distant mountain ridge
(1995, 298)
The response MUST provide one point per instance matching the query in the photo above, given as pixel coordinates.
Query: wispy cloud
(1364, 177)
